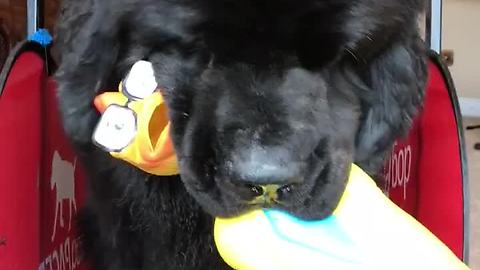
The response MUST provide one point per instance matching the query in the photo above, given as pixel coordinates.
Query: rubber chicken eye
(117, 128)
(140, 81)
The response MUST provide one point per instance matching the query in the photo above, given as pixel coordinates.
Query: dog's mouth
(224, 199)
(268, 195)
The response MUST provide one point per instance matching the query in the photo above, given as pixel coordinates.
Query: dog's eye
(140, 81)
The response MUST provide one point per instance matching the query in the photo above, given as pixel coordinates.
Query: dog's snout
(266, 166)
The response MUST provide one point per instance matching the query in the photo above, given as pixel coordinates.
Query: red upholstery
(39, 180)
(440, 201)
(431, 186)
(20, 126)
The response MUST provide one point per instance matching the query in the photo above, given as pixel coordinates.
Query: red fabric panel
(62, 192)
(440, 194)
(41, 185)
(20, 127)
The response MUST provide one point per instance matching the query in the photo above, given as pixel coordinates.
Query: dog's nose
(266, 166)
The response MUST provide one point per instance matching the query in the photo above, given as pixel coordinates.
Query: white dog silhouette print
(63, 178)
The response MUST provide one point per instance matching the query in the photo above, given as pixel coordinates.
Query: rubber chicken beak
(137, 131)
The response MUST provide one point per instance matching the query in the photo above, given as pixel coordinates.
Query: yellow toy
(367, 231)
(134, 125)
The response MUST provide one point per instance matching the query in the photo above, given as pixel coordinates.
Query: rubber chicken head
(134, 125)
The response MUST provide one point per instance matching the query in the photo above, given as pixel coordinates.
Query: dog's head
(266, 101)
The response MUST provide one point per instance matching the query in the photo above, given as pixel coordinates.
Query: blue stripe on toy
(325, 236)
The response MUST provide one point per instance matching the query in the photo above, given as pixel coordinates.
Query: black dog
(284, 94)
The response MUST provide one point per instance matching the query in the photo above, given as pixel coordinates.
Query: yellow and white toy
(134, 124)
(367, 231)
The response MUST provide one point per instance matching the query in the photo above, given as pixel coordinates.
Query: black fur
(305, 87)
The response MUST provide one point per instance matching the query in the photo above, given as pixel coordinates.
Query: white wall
(461, 32)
